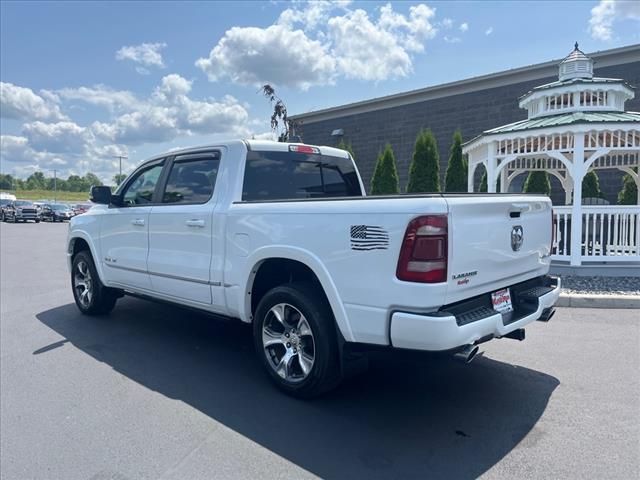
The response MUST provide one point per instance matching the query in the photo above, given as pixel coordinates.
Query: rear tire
(295, 339)
(91, 296)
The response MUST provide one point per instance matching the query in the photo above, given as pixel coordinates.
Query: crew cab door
(124, 235)
(181, 227)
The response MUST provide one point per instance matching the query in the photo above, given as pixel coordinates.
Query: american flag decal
(369, 237)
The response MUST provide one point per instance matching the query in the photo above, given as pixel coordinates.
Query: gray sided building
(472, 106)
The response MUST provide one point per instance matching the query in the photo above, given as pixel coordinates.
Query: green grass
(48, 195)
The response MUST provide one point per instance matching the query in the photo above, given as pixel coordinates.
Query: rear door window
(192, 179)
(291, 175)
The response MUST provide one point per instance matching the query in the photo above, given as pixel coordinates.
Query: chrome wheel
(83, 283)
(288, 342)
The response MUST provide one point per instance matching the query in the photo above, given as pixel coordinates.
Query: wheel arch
(80, 241)
(299, 265)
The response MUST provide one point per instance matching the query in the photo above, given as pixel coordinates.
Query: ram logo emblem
(517, 237)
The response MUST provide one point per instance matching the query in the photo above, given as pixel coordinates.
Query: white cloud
(464, 27)
(23, 104)
(350, 43)
(365, 51)
(145, 54)
(607, 12)
(312, 15)
(277, 54)
(14, 148)
(447, 23)
(60, 137)
(100, 95)
(170, 112)
(172, 87)
(449, 39)
(410, 32)
(152, 125)
(488, 31)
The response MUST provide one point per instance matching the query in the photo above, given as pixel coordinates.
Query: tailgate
(495, 241)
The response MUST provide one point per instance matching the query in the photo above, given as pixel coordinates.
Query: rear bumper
(472, 321)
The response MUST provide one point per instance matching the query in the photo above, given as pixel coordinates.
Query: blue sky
(82, 82)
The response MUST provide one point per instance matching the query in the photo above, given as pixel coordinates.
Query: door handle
(195, 223)
(138, 222)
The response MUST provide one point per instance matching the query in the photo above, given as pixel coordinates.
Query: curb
(598, 301)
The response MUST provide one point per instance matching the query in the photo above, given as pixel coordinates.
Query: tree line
(424, 173)
(37, 181)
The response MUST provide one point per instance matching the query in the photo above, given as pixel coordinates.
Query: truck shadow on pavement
(410, 415)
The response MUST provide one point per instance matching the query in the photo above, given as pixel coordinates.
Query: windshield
(23, 203)
(59, 206)
(4, 201)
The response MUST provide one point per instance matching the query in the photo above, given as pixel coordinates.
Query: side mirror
(100, 194)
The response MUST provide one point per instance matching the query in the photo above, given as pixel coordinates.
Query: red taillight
(304, 149)
(423, 256)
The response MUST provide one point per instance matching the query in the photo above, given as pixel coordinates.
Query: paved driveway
(159, 392)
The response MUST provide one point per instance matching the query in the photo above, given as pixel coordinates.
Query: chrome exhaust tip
(467, 353)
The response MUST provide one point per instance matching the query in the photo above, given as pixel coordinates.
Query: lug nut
(295, 350)
(286, 335)
(288, 345)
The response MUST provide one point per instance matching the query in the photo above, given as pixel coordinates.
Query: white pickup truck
(282, 236)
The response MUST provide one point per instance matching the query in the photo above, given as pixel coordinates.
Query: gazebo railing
(609, 233)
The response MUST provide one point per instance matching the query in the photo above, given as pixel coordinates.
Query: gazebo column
(567, 186)
(504, 181)
(567, 194)
(491, 168)
(470, 174)
(577, 173)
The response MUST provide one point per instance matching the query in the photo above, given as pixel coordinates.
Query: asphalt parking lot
(158, 392)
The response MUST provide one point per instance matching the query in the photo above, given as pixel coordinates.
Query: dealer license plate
(501, 301)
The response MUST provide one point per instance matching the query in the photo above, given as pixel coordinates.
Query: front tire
(295, 339)
(91, 296)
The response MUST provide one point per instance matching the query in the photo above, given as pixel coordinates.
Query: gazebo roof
(562, 119)
(567, 119)
(577, 81)
(576, 54)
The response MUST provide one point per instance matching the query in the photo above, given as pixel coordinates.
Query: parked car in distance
(20, 211)
(56, 212)
(283, 236)
(3, 203)
(7, 196)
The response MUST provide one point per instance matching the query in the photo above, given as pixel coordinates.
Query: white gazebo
(574, 125)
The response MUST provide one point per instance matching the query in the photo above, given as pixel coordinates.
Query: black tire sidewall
(103, 299)
(325, 373)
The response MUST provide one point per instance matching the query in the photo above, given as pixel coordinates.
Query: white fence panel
(609, 233)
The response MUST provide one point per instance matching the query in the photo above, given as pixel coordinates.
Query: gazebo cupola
(576, 65)
(574, 125)
(576, 90)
